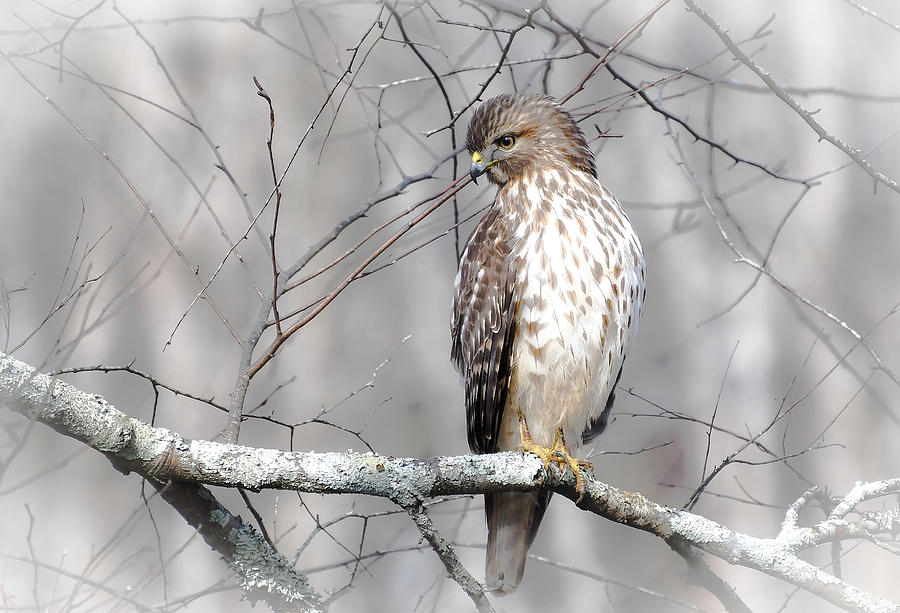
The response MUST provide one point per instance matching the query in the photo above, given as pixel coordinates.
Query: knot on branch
(409, 488)
(115, 438)
(164, 464)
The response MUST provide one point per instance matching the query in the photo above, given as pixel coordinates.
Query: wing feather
(483, 329)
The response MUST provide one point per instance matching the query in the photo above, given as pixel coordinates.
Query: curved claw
(558, 455)
(578, 466)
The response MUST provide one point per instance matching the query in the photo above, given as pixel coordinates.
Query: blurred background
(101, 262)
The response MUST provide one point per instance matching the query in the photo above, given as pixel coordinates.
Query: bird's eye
(506, 141)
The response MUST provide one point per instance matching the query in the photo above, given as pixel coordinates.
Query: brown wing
(482, 329)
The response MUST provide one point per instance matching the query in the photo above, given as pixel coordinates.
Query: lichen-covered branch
(264, 574)
(448, 557)
(162, 456)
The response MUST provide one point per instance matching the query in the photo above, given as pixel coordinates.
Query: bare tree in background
(242, 229)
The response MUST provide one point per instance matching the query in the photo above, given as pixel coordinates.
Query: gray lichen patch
(267, 575)
(696, 529)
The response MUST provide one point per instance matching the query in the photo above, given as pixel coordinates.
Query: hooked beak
(478, 167)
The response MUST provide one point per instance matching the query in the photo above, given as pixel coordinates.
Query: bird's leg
(546, 454)
(563, 458)
(558, 455)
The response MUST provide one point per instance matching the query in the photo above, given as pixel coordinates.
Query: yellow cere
(477, 158)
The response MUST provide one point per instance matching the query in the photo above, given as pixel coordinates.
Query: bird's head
(510, 135)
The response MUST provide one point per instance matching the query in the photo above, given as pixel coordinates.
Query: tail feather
(513, 519)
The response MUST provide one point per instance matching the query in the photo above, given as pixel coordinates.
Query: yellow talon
(546, 454)
(559, 455)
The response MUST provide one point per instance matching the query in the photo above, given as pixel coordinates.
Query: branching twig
(131, 186)
(279, 340)
(501, 62)
(640, 91)
(261, 92)
(798, 108)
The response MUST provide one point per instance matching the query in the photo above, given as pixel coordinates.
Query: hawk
(545, 307)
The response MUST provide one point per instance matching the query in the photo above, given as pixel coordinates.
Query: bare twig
(448, 557)
(610, 52)
(498, 66)
(135, 192)
(695, 496)
(279, 340)
(639, 91)
(261, 92)
(798, 108)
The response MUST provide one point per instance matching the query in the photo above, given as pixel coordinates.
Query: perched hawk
(546, 305)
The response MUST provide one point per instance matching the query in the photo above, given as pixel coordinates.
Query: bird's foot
(563, 459)
(546, 454)
(558, 454)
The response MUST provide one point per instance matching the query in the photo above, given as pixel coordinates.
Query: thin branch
(640, 91)
(765, 77)
(695, 496)
(498, 66)
(611, 52)
(213, 148)
(262, 93)
(132, 188)
(452, 126)
(867, 11)
(362, 241)
(279, 340)
(448, 557)
(609, 581)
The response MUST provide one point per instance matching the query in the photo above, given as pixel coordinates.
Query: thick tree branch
(702, 575)
(162, 455)
(265, 575)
